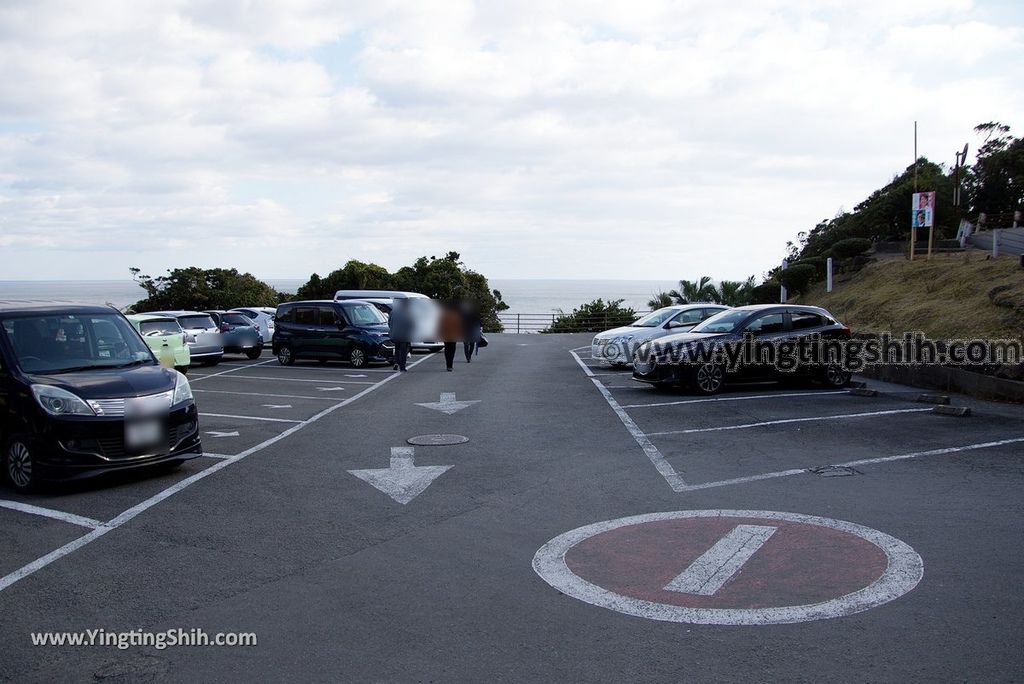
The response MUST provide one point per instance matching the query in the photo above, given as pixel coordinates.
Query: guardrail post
(996, 234)
(782, 287)
(828, 274)
(517, 323)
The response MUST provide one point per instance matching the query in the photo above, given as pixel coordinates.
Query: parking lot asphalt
(271, 532)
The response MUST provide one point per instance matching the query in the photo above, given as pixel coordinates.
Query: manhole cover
(437, 440)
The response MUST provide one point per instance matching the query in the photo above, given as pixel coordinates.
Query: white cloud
(657, 139)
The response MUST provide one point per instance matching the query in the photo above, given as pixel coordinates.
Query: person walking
(451, 332)
(400, 325)
(472, 328)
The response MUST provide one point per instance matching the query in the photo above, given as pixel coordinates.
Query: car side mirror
(679, 324)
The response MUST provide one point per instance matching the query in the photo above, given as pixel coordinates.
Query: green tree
(354, 275)
(691, 292)
(995, 184)
(660, 300)
(593, 316)
(735, 292)
(202, 289)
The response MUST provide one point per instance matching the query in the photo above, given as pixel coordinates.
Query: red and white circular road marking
(727, 567)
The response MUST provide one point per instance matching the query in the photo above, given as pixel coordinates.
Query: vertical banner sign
(922, 215)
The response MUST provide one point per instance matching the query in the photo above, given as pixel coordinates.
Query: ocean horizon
(524, 296)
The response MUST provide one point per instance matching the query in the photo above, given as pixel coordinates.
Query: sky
(639, 139)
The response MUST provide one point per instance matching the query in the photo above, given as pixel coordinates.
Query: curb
(959, 411)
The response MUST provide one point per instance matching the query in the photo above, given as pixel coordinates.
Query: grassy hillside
(951, 296)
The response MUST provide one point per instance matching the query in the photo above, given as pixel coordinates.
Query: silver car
(616, 346)
(205, 343)
(262, 317)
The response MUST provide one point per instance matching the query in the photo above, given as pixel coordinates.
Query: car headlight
(60, 402)
(182, 390)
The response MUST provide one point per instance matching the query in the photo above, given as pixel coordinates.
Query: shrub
(850, 247)
(796, 278)
(594, 316)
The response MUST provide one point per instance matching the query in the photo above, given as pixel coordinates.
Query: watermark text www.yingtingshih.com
(852, 354)
(125, 639)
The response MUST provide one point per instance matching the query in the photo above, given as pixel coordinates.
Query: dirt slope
(949, 297)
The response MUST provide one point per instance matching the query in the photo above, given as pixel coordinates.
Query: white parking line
(269, 420)
(746, 398)
(197, 378)
(744, 426)
(322, 381)
(853, 464)
(664, 468)
(63, 516)
(134, 511)
(212, 455)
(262, 394)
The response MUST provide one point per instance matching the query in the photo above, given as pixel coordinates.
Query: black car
(239, 333)
(746, 344)
(351, 330)
(81, 394)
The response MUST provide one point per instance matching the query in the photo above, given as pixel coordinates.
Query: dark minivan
(81, 394)
(353, 331)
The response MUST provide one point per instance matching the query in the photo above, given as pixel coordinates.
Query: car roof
(791, 307)
(33, 306)
(177, 314)
(377, 294)
(328, 301)
(151, 317)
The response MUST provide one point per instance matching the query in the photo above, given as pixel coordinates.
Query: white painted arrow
(277, 406)
(403, 481)
(448, 404)
(215, 433)
(330, 389)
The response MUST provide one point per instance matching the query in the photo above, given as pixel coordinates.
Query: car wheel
(254, 354)
(18, 465)
(836, 376)
(709, 378)
(357, 358)
(182, 369)
(285, 357)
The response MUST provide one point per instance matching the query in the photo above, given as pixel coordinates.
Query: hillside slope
(951, 296)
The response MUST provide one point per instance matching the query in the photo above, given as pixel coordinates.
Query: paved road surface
(343, 583)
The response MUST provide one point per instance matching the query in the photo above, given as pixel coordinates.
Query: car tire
(285, 356)
(709, 378)
(835, 377)
(357, 357)
(254, 354)
(17, 464)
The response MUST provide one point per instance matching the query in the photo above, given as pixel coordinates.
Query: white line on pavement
(196, 378)
(851, 464)
(787, 420)
(756, 396)
(212, 455)
(269, 420)
(63, 516)
(716, 566)
(262, 394)
(674, 479)
(134, 511)
(322, 381)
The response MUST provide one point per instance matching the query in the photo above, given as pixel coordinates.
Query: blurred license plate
(143, 433)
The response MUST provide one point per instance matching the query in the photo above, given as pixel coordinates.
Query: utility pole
(913, 221)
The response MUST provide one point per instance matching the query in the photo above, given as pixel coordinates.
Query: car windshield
(197, 321)
(654, 319)
(364, 314)
(60, 343)
(725, 322)
(157, 328)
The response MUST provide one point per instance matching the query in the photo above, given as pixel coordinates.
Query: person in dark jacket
(400, 325)
(450, 331)
(472, 329)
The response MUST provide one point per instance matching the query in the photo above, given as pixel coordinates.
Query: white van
(424, 311)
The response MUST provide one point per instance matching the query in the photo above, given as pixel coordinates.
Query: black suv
(351, 330)
(81, 393)
(698, 358)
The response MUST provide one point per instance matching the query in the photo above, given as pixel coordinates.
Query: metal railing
(526, 323)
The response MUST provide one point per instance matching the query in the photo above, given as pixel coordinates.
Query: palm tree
(694, 292)
(659, 300)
